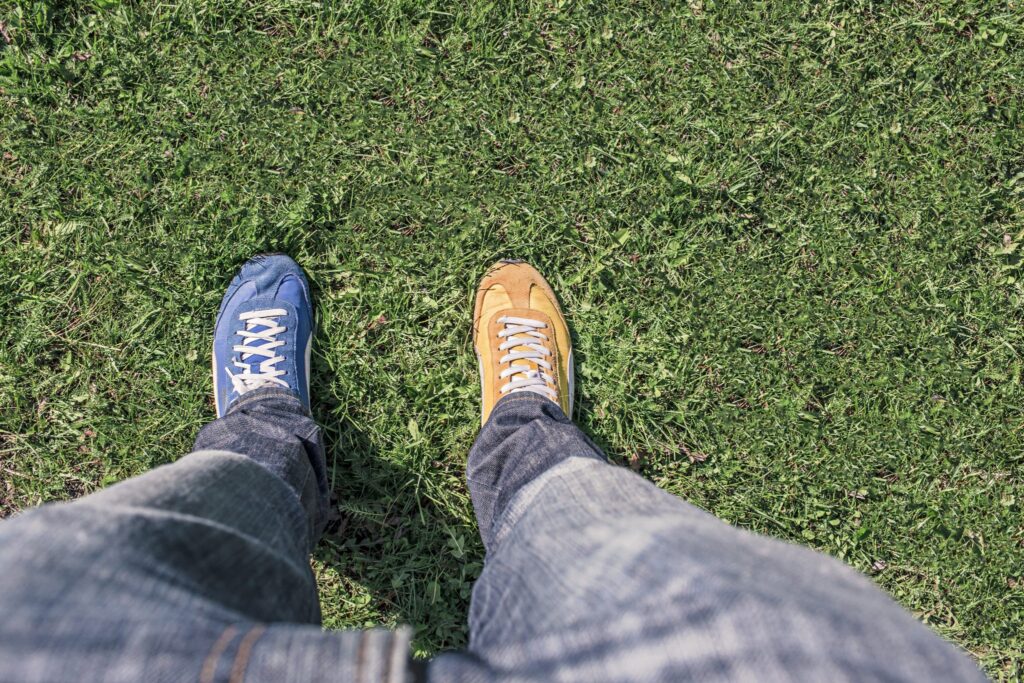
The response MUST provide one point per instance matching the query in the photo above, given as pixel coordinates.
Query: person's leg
(195, 571)
(594, 574)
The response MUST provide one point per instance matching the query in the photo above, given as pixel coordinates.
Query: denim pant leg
(195, 571)
(594, 574)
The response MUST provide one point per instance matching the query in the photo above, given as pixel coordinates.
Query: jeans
(199, 571)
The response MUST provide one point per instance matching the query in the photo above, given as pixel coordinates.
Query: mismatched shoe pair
(264, 334)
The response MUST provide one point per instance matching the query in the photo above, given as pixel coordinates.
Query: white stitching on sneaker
(524, 334)
(267, 374)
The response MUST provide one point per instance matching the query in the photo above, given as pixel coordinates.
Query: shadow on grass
(391, 555)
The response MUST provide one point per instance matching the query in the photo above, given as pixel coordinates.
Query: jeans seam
(244, 653)
(310, 525)
(209, 669)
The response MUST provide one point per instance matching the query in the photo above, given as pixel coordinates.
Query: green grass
(785, 232)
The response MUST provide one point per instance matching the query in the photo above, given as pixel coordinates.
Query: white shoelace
(266, 374)
(524, 334)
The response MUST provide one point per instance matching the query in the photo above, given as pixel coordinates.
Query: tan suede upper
(516, 289)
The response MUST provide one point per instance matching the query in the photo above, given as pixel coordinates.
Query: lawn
(786, 234)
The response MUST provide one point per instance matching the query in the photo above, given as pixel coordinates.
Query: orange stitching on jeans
(209, 669)
(244, 651)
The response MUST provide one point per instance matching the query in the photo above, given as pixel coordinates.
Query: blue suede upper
(265, 282)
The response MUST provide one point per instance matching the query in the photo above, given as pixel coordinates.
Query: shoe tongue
(290, 290)
(533, 373)
(529, 362)
(535, 369)
(254, 343)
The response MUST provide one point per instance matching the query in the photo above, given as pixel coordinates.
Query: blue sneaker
(264, 332)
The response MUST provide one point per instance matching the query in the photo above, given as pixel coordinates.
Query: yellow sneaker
(521, 339)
